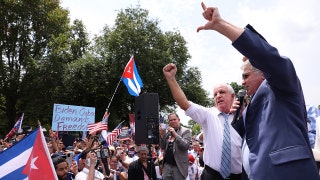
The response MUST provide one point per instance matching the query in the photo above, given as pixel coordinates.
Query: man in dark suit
(175, 143)
(276, 144)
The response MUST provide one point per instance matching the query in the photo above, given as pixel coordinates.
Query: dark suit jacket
(275, 120)
(135, 171)
(180, 146)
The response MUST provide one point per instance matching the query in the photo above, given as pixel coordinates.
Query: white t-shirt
(192, 171)
(82, 175)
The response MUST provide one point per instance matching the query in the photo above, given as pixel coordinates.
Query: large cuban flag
(27, 159)
(131, 78)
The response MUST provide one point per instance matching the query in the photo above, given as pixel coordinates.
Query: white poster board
(72, 118)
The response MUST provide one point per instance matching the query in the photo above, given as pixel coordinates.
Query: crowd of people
(124, 159)
(272, 139)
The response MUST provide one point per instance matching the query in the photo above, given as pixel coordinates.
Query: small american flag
(114, 134)
(99, 126)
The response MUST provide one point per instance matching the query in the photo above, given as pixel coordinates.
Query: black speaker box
(147, 118)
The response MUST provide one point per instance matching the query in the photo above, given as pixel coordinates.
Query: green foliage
(236, 87)
(135, 34)
(195, 127)
(27, 27)
(45, 61)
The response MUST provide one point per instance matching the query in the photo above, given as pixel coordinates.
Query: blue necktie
(226, 149)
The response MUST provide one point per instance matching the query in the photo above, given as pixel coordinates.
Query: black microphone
(241, 94)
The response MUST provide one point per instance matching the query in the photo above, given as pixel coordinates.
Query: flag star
(33, 166)
(129, 70)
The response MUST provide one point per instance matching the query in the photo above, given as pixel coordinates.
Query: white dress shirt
(211, 122)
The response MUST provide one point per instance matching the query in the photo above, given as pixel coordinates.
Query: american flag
(114, 134)
(99, 126)
(16, 127)
(105, 118)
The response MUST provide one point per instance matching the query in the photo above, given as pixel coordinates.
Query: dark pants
(211, 174)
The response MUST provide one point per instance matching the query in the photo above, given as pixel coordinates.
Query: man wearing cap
(142, 168)
(193, 168)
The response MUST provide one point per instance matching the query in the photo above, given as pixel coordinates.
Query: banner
(72, 118)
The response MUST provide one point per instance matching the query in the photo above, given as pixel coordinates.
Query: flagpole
(113, 96)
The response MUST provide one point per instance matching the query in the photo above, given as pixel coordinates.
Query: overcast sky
(291, 26)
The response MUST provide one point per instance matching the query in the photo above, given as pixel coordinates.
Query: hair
(229, 87)
(113, 156)
(174, 113)
(143, 148)
(84, 153)
(246, 63)
(57, 160)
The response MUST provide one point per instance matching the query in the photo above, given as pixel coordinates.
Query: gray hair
(247, 63)
(142, 148)
(229, 87)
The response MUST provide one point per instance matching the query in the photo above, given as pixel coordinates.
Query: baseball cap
(191, 159)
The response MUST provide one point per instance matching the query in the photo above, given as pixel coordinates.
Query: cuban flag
(29, 158)
(131, 78)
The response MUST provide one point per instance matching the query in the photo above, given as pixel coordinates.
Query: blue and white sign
(72, 118)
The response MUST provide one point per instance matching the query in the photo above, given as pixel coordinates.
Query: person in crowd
(124, 161)
(192, 169)
(142, 168)
(158, 163)
(119, 172)
(61, 166)
(312, 114)
(193, 149)
(132, 156)
(276, 144)
(64, 171)
(316, 149)
(200, 161)
(175, 143)
(214, 122)
(88, 160)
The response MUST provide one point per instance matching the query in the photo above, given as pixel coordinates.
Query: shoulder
(184, 129)
(81, 175)
(133, 164)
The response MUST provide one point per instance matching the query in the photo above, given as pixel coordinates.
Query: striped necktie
(226, 149)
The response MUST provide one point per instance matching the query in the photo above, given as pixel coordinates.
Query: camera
(104, 151)
(69, 157)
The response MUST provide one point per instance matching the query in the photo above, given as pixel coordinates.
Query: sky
(293, 27)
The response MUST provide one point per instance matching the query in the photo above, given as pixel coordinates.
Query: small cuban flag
(131, 78)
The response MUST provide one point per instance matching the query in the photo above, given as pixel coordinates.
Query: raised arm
(169, 72)
(215, 22)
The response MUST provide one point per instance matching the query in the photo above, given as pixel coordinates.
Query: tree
(195, 127)
(135, 34)
(27, 27)
(236, 87)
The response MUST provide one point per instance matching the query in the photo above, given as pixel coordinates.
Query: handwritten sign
(72, 118)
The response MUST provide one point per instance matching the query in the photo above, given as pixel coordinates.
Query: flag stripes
(99, 126)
